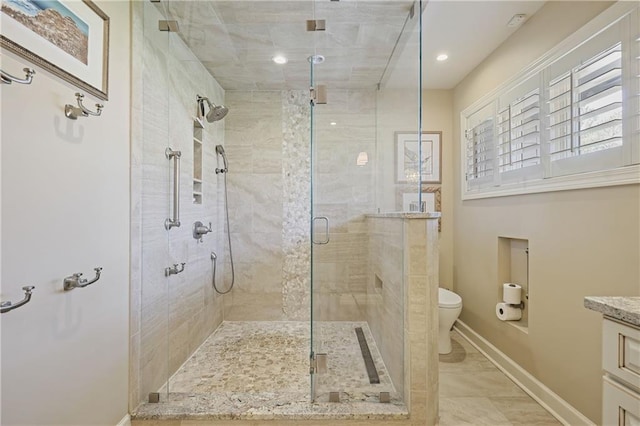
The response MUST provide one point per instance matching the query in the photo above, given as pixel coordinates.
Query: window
(480, 142)
(572, 121)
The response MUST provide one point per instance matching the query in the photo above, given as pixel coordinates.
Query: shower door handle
(326, 230)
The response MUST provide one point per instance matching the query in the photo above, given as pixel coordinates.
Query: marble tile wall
(170, 317)
(385, 293)
(268, 141)
(403, 312)
(253, 142)
(344, 192)
(296, 172)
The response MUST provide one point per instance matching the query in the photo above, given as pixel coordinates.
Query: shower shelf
(197, 161)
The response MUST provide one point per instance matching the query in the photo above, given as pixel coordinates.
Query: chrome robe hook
(8, 78)
(75, 280)
(8, 306)
(81, 111)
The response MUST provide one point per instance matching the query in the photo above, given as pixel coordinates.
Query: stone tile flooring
(259, 371)
(249, 357)
(232, 376)
(474, 392)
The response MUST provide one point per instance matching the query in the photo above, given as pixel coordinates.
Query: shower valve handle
(199, 229)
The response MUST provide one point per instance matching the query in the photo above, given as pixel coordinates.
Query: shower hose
(214, 258)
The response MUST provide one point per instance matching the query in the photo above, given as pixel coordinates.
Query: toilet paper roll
(506, 312)
(511, 293)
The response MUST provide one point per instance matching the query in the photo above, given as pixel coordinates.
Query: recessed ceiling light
(333, 123)
(442, 57)
(280, 60)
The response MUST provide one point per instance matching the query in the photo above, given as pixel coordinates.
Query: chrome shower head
(216, 112)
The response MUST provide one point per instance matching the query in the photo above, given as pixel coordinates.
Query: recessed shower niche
(197, 161)
(513, 267)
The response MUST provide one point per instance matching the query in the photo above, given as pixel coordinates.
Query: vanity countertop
(626, 309)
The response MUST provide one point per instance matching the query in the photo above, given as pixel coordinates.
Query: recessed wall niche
(513, 267)
(197, 162)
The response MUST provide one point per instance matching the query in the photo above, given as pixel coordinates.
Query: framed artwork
(70, 39)
(409, 149)
(431, 202)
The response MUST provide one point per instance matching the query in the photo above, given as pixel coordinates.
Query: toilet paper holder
(519, 305)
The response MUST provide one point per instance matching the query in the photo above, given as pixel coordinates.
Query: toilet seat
(448, 299)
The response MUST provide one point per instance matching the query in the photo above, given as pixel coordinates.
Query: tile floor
(245, 355)
(272, 356)
(474, 392)
(260, 369)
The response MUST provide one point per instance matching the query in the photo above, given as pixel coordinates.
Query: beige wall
(65, 209)
(436, 116)
(397, 111)
(582, 242)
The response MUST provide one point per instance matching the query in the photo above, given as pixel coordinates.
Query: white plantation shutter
(480, 142)
(633, 119)
(585, 115)
(577, 111)
(519, 130)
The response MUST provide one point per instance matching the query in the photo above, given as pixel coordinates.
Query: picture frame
(407, 151)
(431, 201)
(69, 39)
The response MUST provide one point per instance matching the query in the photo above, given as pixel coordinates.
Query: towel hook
(73, 113)
(8, 306)
(8, 78)
(75, 280)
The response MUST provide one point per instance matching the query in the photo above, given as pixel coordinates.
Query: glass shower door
(357, 112)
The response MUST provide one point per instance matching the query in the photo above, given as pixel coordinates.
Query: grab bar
(175, 221)
(8, 306)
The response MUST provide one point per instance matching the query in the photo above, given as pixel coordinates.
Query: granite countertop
(407, 215)
(626, 309)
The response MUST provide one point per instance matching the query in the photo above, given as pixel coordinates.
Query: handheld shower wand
(220, 151)
(214, 257)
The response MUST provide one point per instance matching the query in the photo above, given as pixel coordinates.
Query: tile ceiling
(236, 40)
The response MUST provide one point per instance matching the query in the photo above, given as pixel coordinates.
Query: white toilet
(449, 307)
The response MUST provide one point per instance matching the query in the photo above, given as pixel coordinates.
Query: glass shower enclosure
(340, 152)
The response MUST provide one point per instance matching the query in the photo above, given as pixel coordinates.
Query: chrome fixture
(175, 221)
(80, 111)
(75, 280)
(220, 151)
(168, 25)
(316, 25)
(8, 306)
(199, 230)
(8, 78)
(173, 270)
(318, 95)
(214, 258)
(316, 59)
(216, 112)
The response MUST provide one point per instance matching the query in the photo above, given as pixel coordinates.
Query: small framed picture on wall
(418, 157)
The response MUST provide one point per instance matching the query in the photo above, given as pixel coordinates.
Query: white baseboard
(126, 421)
(544, 396)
